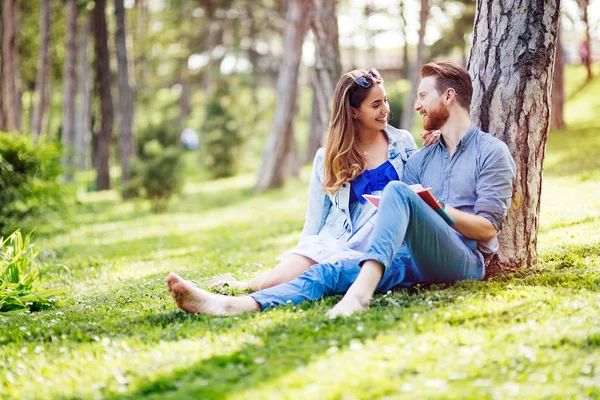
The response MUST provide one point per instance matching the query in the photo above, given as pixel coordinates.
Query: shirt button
(344, 185)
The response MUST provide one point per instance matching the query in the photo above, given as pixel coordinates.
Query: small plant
(222, 140)
(21, 277)
(29, 181)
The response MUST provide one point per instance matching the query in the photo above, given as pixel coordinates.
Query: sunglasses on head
(366, 81)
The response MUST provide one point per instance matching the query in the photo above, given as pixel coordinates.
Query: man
(469, 171)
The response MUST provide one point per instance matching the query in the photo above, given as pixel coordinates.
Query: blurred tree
(405, 61)
(10, 65)
(125, 93)
(70, 91)
(84, 86)
(102, 72)
(587, 43)
(511, 63)
(408, 112)
(42, 84)
(456, 35)
(281, 144)
(557, 120)
(327, 70)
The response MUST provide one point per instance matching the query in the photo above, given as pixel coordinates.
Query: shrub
(396, 92)
(29, 180)
(21, 277)
(157, 174)
(222, 139)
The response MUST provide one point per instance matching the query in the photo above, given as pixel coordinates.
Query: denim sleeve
(495, 183)
(318, 202)
(412, 169)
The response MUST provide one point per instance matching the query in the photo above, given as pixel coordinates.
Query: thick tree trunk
(512, 62)
(82, 117)
(557, 120)
(41, 82)
(10, 64)
(327, 70)
(125, 93)
(408, 112)
(70, 91)
(102, 72)
(281, 142)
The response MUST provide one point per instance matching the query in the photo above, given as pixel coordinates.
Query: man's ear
(450, 95)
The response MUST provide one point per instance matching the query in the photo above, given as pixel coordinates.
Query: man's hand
(430, 137)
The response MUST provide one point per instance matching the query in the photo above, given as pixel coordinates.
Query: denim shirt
(478, 179)
(330, 212)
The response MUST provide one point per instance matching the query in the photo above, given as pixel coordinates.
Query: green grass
(118, 335)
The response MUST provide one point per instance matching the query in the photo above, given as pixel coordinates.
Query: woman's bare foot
(348, 306)
(191, 299)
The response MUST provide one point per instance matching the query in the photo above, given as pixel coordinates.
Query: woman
(362, 153)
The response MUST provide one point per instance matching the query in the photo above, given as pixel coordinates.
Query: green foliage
(159, 171)
(29, 183)
(222, 139)
(21, 276)
(396, 92)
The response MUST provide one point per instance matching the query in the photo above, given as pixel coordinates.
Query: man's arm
(472, 226)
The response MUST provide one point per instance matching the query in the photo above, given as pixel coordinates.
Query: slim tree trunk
(102, 72)
(281, 143)
(125, 93)
(41, 82)
(557, 120)
(512, 62)
(408, 113)
(82, 118)
(140, 48)
(10, 64)
(405, 61)
(70, 90)
(327, 70)
(588, 39)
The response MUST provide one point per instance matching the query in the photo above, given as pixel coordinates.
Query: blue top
(372, 180)
(477, 179)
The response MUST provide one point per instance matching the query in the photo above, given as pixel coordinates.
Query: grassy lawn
(118, 335)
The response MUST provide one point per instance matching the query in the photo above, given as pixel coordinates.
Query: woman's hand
(430, 137)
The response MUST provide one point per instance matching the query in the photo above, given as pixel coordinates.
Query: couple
(349, 247)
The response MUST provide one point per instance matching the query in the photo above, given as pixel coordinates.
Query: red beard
(436, 118)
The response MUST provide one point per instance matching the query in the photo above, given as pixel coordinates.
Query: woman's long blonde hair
(343, 159)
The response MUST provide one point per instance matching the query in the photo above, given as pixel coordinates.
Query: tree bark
(10, 64)
(82, 117)
(102, 72)
(557, 120)
(281, 143)
(584, 4)
(125, 93)
(327, 70)
(41, 82)
(70, 91)
(511, 63)
(405, 61)
(408, 112)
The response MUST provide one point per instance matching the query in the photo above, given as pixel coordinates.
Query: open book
(426, 195)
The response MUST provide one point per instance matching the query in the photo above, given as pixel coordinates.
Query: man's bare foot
(191, 299)
(347, 306)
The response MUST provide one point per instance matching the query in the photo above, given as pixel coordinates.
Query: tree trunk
(327, 70)
(405, 61)
(557, 120)
(70, 91)
(102, 69)
(10, 64)
(281, 142)
(125, 94)
(82, 117)
(140, 47)
(588, 39)
(408, 112)
(511, 63)
(41, 82)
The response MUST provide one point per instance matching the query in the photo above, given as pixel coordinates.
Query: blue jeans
(322, 280)
(440, 253)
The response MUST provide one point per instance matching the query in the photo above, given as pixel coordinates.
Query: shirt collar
(465, 140)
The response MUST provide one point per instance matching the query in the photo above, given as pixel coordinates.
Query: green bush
(396, 92)
(157, 174)
(29, 181)
(222, 139)
(21, 277)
